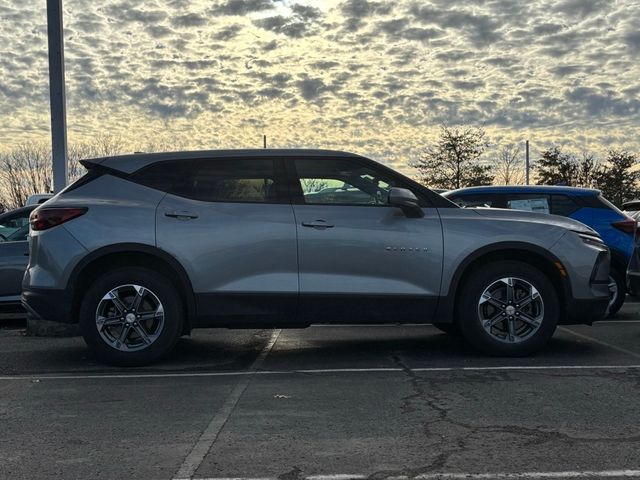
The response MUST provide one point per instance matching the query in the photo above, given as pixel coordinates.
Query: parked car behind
(38, 199)
(585, 205)
(14, 251)
(146, 247)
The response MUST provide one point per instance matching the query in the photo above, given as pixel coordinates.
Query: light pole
(526, 163)
(57, 94)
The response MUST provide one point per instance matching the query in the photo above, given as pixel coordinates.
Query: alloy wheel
(130, 318)
(511, 310)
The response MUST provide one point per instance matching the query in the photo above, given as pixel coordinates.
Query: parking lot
(326, 402)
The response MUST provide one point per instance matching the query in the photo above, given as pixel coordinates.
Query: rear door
(230, 224)
(361, 260)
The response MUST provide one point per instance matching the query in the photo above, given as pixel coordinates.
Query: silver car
(14, 251)
(146, 247)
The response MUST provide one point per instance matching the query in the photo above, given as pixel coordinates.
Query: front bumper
(580, 312)
(592, 302)
(48, 304)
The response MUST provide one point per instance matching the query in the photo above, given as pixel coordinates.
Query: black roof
(132, 162)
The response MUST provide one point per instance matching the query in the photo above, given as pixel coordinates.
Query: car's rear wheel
(131, 316)
(508, 308)
(617, 291)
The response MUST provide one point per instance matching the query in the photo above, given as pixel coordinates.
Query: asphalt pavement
(327, 402)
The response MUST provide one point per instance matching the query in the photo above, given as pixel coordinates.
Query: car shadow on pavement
(222, 350)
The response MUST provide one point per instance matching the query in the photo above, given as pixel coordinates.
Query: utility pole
(526, 163)
(264, 141)
(57, 94)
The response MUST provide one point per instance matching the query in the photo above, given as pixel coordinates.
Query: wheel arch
(534, 255)
(132, 254)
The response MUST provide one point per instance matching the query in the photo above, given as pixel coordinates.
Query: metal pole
(526, 168)
(264, 141)
(57, 94)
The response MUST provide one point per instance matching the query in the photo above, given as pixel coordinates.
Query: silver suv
(146, 247)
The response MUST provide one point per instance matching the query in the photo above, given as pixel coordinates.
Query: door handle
(181, 215)
(318, 224)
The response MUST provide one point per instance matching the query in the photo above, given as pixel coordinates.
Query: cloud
(632, 40)
(310, 88)
(595, 102)
(481, 29)
(377, 76)
(581, 8)
(242, 7)
(302, 21)
(189, 20)
(355, 12)
(227, 33)
(468, 84)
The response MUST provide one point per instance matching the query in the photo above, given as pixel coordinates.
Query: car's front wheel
(508, 308)
(131, 316)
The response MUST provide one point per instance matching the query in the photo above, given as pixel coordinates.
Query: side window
(471, 201)
(563, 205)
(215, 180)
(15, 228)
(529, 203)
(343, 182)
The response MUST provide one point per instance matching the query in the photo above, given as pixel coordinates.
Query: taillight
(628, 225)
(44, 218)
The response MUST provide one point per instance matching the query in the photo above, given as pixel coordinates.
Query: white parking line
(461, 476)
(195, 457)
(600, 322)
(601, 342)
(249, 373)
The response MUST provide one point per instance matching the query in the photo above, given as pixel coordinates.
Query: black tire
(167, 335)
(621, 287)
(468, 315)
(452, 328)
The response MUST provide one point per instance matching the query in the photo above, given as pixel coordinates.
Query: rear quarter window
(215, 180)
(563, 205)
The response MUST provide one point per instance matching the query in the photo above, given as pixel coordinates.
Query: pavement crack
(294, 474)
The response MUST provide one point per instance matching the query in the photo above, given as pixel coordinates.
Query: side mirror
(407, 201)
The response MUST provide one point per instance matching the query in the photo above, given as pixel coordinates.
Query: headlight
(591, 240)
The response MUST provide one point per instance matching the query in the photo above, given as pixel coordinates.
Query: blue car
(583, 204)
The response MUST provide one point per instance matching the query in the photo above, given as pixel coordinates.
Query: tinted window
(563, 205)
(215, 180)
(344, 182)
(529, 203)
(606, 204)
(15, 228)
(471, 201)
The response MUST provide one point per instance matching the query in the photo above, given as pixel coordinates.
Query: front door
(361, 260)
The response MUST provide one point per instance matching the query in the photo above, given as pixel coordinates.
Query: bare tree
(26, 169)
(509, 166)
(454, 160)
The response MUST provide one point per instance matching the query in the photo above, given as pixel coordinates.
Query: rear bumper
(49, 304)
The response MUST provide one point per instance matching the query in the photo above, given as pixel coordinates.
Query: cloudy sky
(374, 77)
